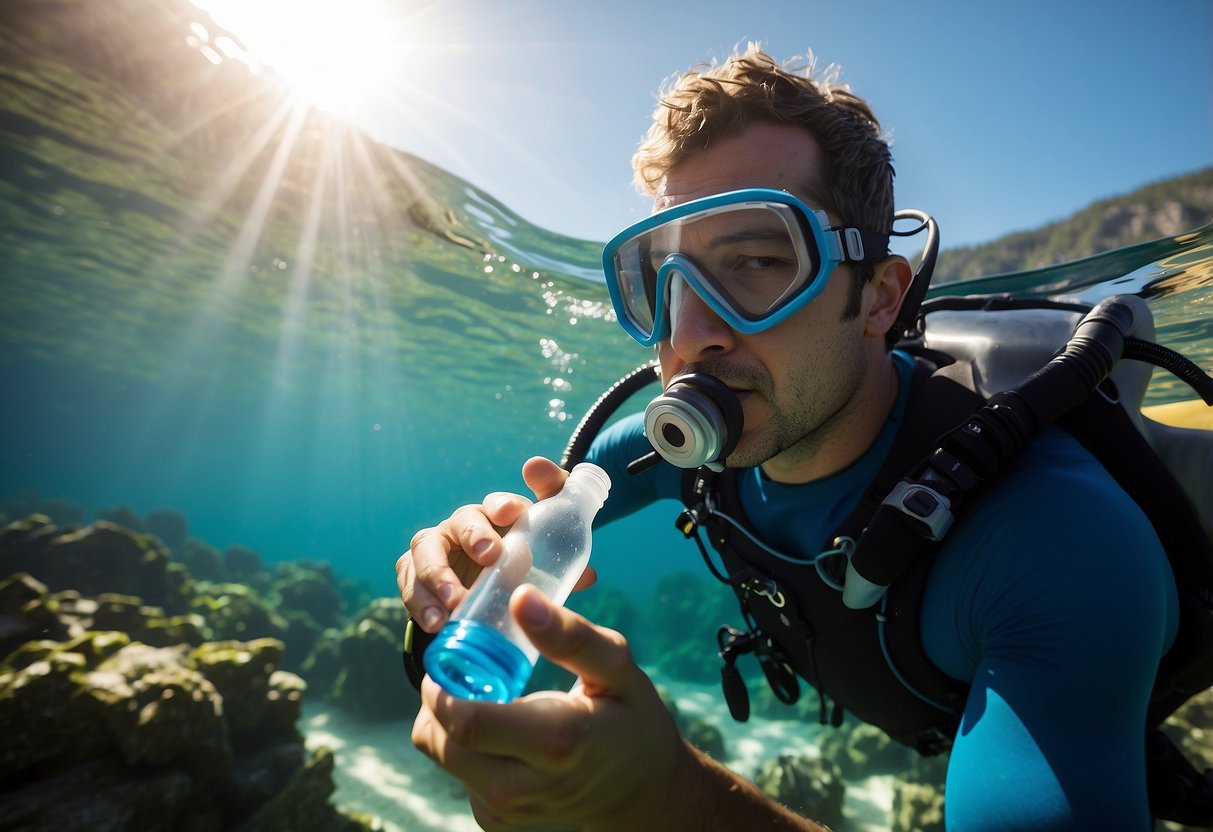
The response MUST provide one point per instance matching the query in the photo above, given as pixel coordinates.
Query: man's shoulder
(1057, 467)
(1056, 496)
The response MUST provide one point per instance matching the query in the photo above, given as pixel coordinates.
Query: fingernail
(446, 594)
(481, 546)
(532, 610)
(431, 617)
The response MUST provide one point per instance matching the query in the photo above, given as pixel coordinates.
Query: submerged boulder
(104, 732)
(810, 786)
(371, 683)
(864, 750)
(917, 807)
(27, 613)
(99, 558)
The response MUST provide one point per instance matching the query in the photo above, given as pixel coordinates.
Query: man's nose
(695, 329)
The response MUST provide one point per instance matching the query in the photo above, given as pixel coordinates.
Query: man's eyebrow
(722, 240)
(747, 236)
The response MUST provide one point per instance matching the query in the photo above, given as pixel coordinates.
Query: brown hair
(715, 101)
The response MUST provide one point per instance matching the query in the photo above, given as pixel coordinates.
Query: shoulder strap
(942, 396)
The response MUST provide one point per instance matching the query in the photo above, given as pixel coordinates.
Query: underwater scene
(246, 352)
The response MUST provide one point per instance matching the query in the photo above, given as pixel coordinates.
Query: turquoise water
(307, 343)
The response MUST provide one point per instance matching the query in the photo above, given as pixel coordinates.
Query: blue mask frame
(822, 247)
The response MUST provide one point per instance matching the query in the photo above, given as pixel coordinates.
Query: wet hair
(715, 101)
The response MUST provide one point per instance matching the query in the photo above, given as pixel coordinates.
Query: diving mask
(754, 256)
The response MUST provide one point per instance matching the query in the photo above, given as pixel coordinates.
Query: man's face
(796, 380)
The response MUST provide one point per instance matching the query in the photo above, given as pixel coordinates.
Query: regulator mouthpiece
(696, 421)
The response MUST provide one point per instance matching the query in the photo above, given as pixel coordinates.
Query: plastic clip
(924, 504)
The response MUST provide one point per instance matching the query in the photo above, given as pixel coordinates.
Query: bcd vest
(871, 661)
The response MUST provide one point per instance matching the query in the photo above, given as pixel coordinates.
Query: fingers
(539, 730)
(600, 657)
(430, 594)
(433, 575)
(543, 476)
(442, 561)
(503, 790)
(588, 578)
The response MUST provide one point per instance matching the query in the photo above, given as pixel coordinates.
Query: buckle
(924, 504)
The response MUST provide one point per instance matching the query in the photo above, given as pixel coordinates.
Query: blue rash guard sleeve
(1056, 601)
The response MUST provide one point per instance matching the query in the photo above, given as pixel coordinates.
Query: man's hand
(604, 755)
(442, 561)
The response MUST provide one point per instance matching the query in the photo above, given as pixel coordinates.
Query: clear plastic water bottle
(482, 653)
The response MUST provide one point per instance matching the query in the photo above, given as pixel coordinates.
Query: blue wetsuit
(1054, 600)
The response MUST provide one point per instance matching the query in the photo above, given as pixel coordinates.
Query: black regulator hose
(1001, 429)
(602, 410)
(1180, 366)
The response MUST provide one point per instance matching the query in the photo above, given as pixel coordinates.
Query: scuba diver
(1035, 620)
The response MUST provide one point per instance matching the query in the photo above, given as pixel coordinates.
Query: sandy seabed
(379, 771)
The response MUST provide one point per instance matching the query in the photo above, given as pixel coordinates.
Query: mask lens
(637, 283)
(753, 258)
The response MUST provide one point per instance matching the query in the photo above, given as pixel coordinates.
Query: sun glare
(348, 58)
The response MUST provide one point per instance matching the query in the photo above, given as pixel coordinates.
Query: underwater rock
(371, 683)
(610, 606)
(864, 750)
(303, 803)
(809, 786)
(158, 709)
(1191, 727)
(29, 503)
(237, 611)
(26, 613)
(302, 634)
(102, 797)
(203, 560)
(309, 588)
(323, 664)
(45, 723)
(98, 558)
(123, 516)
(707, 737)
(170, 526)
(687, 610)
(917, 807)
(29, 612)
(931, 771)
(110, 611)
(261, 703)
(242, 564)
(701, 733)
(102, 732)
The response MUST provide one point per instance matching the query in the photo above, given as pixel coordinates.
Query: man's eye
(761, 264)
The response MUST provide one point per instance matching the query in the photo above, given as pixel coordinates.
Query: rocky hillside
(1162, 209)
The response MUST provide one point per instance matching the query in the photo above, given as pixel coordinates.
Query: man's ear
(885, 293)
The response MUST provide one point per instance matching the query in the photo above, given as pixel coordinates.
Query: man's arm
(604, 756)
(1057, 601)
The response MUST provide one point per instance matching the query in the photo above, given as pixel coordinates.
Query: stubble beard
(805, 420)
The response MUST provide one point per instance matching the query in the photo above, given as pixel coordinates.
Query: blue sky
(1003, 116)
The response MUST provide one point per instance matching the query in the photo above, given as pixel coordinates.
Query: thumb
(599, 656)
